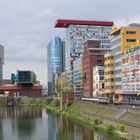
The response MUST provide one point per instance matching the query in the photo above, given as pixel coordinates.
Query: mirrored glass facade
(55, 58)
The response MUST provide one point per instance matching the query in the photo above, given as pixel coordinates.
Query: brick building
(93, 56)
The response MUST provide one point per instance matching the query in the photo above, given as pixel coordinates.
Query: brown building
(19, 90)
(93, 56)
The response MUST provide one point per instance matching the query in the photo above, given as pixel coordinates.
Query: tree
(63, 89)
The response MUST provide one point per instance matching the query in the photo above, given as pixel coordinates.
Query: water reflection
(18, 123)
(1, 131)
(20, 113)
(40, 124)
(69, 130)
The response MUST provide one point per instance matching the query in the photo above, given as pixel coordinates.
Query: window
(110, 57)
(130, 40)
(101, 77)
(99, 56)
(110, 65)
(130, 32)
(99, 61)
(111, 72)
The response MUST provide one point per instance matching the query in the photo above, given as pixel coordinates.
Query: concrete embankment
(109, 114)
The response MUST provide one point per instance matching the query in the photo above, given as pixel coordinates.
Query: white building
(98, 81)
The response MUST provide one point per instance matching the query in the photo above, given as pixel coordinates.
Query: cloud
(27, 26)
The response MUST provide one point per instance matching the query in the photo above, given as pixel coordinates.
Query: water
(40, 124)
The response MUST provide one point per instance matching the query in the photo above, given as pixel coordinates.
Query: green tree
(63, 89)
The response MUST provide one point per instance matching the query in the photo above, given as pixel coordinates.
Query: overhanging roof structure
(61, 23)
(115, 32)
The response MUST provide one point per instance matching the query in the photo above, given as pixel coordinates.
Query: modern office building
(77, 77)
(93, 56)
(122, 61)
(104, 43)
(98, 81)
(55, 58)
(109, 74)
(77, 31)
(1, 63)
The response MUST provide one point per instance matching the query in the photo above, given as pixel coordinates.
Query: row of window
(109, 80)
(109, 72)
(109, 58)
(109, 87)
(114, 87)
(101, 72)
(109, 65)
(112, 80)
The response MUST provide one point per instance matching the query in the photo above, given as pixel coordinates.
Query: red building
(93, 56)
(18, 90)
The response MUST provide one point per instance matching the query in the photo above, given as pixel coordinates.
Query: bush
(3, 101)
(110, 128)
(97, 122)
(121, 127)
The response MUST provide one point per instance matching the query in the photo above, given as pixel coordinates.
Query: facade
(98, 81)
(104, 43)
(124, 40)
(77, 32)
(109, 74)
(55, 57)
(93, 56)
(77, 77)
(131, 74)
(22, 90)
(1, 63)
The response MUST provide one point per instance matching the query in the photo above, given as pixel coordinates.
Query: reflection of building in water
(88, 134)
(52, 130)
(20, 113)
(1, 130)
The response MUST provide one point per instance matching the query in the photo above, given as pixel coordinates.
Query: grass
(132, 117)
(90, 107)
(3, 101)
(75, 113)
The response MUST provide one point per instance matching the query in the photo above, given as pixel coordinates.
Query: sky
(27, 26)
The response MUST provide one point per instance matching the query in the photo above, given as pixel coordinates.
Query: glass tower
(55, 58)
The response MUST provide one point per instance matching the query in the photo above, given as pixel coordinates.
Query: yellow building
(129, 36)
(109, 75)
(123, 39)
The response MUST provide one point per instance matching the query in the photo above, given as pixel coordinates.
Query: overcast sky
(27, 26)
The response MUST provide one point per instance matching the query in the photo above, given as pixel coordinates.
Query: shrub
(97, 122)
(121, 127)
(3, 101)
(110, 128)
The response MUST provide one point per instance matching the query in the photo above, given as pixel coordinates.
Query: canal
(39, 124)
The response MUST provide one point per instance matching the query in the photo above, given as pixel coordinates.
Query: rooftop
(62, 23)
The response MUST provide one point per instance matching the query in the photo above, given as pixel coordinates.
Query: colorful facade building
(98, 81)
(77, 31)
(124, 40)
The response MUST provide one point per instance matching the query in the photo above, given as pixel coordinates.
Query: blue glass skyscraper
(55, 54)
